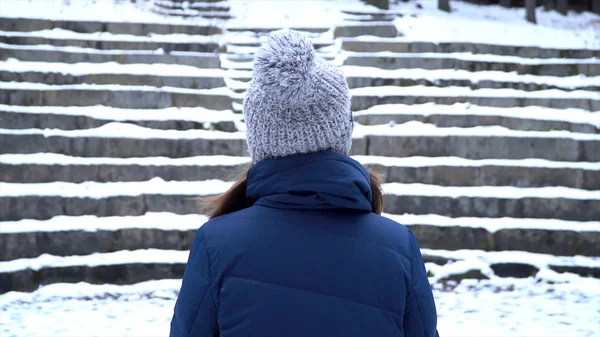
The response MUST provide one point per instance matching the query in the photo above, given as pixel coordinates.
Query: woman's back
(305, 260)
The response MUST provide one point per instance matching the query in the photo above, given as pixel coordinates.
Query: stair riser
(465, 121)
(482, 147)
(465, 47)
(388, 30)
(208, 47)
(45, 207)
(205, 61)
(365, 102)
(130, 99)
(429, 63)
(66, 122)
(122, 79)
(432, 175)
(557, 242)
(361, 82)
(143, 29)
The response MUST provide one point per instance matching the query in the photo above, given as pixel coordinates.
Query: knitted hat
(297, 103)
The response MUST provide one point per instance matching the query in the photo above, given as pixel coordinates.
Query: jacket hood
(322, 180)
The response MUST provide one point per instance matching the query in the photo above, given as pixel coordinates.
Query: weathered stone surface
(559, 208)
(465, 47)
(121, 147)
(372, 29)
(579, 270)
(466, 121)
(482, 147)
(491, 176)
(132, 28)
(208, 60)
(473, 274)
(29, 280)
(518, 270)
(451, 62)
(363, 102)
(545, 241)
(108, 173)
(15, 120)
(190, 82)
(451, 238)
(360, 82)
(67, 243)
(439, 260)
(130, 99)
(133, 147)
(589, 243)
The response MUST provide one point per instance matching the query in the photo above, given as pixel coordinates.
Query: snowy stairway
(200, 9)
(95, 141)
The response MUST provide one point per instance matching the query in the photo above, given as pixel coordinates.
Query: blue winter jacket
(308, 259)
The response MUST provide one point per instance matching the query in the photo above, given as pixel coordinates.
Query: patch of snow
(419, 129)
(97, 259)
(570, 115)
(567, 82)
(61, 159)
(97, 190)
(197, 114)
(500, 192)
(82, 68)
(493, 225)
(126, 130)
(506, 26)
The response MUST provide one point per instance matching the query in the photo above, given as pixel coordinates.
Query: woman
(297, 247)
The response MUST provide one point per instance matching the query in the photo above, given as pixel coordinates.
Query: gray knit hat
(297, 102)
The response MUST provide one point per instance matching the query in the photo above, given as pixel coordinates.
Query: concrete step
(128, 267)
(77, 55)
(73, 118)
(530, 118)
(364, 45)
(109, 41)
(406, 140)
(46, 200)
(231, 27)
(132, 28)
(443, 171)
(211, 7)
(465, 61)
(359, 77)
(32, 238)
(483, 142)
(129, 140)
(364, 98)
(379, 29)
(119, 96)
(193, 13)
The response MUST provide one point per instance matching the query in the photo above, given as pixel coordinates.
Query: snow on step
(200, 161)
(111, 87)
(196, 114)
(97, 259)
(79, 69)
(470, 57)
(171, 221)
(570, 115)
(570, 82)
(82, 50)
(420, 90)
(63, 34)
(541, 261)
(61, 159)
(125, 130)
(492, 225)
(92, 223)
(96, 190)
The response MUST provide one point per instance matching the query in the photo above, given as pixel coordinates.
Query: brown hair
(235, 198)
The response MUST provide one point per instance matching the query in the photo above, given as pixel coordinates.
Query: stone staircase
(109, 132)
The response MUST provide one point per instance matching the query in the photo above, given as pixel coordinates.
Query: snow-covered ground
(508, 307)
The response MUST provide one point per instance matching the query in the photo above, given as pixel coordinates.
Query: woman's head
(297, 103)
